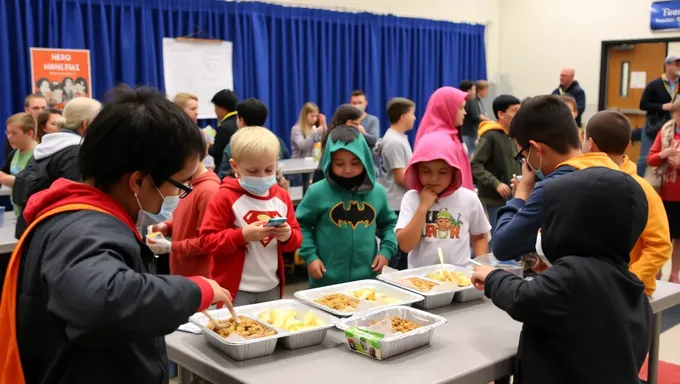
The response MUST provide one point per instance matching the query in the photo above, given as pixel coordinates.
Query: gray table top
(7, 240)
(296, 166)
(477, 344)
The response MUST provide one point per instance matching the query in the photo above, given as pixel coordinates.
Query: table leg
(184, 376)
(653, 362)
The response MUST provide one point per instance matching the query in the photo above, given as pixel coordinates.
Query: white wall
(539, 37)
(470, 11)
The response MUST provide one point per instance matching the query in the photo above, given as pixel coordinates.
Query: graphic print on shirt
(441, 225)
(357, 213)
(255, 216)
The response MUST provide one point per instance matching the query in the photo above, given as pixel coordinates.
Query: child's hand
(162, 228)
(282, 233)
(504, 191)
(479, 276)
(427, 198)
(159, 246)
(378, 263)
(222, 295)
(257, 231)
(316, 269)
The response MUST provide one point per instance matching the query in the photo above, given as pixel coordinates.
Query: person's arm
(479, 227)
(654, 156)
(411, 221)
(222, 137)
(219, 237)
(386, 221)
(297, 139)
(399, 174)
(91, 289)
(656, 241)
(580, 98)
(372, 128)
(295, 240)
(8, 180)
(648, 102)
(307, 215)
(544, 301)
(8, 162)
(473, 113)
(26, 183)
(283, 151)
(480, 245)
(192, 247)
(395, 160)
(478, 164)
(225, 167)
(517, 226)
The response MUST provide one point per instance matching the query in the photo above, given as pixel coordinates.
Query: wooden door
(625, 63)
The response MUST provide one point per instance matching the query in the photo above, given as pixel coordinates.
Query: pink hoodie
(434, 146)
(440, 116)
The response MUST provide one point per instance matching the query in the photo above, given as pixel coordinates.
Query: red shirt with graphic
(670, 190)
(235, 264)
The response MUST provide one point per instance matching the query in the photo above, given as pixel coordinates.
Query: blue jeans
(470, 143)
(645, 145)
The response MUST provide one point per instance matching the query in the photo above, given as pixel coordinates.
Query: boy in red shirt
(246, 254)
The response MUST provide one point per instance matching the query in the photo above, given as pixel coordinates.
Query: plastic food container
(403, 297)
(237, 350)
(511, 266)
(296, 339)
(442, 294)
(381, 348)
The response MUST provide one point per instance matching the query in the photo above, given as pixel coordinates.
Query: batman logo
(354, 215)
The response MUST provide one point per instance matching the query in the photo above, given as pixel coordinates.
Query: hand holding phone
(276, 221)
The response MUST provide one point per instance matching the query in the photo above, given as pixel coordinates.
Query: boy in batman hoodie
(341, 215)
(586, 318)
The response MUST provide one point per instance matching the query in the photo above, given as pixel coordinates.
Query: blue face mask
(146, 218)
(257, 185)
(539, 173)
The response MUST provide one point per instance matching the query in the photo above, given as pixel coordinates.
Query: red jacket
(670, 189)
(231, 209)
(187, 258)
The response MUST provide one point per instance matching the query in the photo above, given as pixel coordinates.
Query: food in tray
(286, 319)
(421, 284)
(458, 278)
(373, 295)
(401, 325)
(247, 328)
(338, 302)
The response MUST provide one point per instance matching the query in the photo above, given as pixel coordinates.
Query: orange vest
(11, 371)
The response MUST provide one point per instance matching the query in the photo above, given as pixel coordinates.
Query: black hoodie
(586, 319)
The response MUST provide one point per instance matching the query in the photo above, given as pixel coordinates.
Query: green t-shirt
(19, 162)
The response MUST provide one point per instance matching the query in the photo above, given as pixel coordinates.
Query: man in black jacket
(586, 318)
(225, 108)
(656, 100)
(571, 87)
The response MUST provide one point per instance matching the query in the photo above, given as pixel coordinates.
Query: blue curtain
(284, 56)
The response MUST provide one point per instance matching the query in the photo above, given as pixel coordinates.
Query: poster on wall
(60, 75)
(208, 71)
(665, 15)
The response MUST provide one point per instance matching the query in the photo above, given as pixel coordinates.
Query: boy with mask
(246, 253)
(341, 215)
(549, 147)
(80, 298)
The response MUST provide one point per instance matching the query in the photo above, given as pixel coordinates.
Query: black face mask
(348, 183)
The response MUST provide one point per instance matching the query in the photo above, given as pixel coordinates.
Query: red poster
(61, 74)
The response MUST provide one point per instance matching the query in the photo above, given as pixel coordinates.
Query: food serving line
(466, 342)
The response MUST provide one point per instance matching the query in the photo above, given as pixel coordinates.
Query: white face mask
(146, 218)
(539, 250)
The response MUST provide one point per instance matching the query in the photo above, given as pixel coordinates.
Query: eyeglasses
(519, 157)
(185, 189)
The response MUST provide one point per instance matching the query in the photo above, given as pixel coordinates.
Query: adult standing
(369, 125)
(472, 116)
(657, 100)
(571, 87)
(225, 108)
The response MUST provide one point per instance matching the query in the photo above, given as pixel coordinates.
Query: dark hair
(226, 99)
(343, 113)
(466, 85)
(524, 100)
(398, 107)
(43, 118)
(569, 99)
(610, 130)
(357, 92)
(344, 133)
(40, 81)
(138, 130)
(502, 103)
(548, 120)
(83, 82)
(253, 112)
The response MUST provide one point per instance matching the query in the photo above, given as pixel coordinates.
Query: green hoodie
(340, 226)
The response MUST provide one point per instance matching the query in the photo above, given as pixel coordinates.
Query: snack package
(209, 133)
(364, 342)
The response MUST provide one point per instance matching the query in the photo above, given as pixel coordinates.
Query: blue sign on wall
(665, 15)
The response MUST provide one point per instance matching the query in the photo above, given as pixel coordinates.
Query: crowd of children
(540, 188)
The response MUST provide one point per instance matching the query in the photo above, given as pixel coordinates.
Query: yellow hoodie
(654, 247)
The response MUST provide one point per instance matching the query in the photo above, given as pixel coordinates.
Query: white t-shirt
(448, 225)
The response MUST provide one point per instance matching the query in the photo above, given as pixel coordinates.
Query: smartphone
(276, 221)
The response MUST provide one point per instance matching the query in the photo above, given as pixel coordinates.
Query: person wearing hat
(657, 100)
(569, 86)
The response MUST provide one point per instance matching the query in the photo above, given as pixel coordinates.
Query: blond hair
(309, 107)
(77, 111)
(481, 85)
(25, 121)
(254, 142)
(181, 99)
